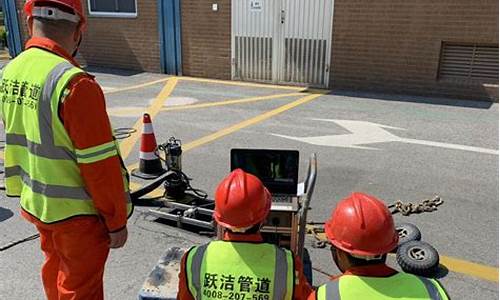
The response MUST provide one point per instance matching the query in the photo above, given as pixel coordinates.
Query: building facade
(440, 48)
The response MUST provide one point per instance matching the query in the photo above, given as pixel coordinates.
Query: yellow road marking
(134, 185)
(215, 81)
(457, 265)
(226, 131)
(136, 110)
(127, 144)
(241, 125)
(469, 268)
(154, 194)
(230, 102)
(452, 264)
(134, 87)
(132, 166)
(246, 84)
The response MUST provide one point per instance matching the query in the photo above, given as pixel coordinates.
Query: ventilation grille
(253, 58)
(473, 62)
(305, 61)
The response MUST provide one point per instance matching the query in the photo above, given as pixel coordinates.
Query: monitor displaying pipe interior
(278, 169)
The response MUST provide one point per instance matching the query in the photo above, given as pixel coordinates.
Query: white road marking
(177, 101)
(364, 133)
(107, 89)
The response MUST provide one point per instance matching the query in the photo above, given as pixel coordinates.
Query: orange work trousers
(75, 254)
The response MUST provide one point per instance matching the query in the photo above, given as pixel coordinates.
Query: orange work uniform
(301, 291)
(76, 249)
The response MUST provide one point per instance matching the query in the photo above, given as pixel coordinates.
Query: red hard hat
(74, 5)
(241, 200)
(362, 225)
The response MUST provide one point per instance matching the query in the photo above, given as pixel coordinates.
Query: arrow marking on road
(364, 133)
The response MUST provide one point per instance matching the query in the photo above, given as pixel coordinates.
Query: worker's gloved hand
(118, 239)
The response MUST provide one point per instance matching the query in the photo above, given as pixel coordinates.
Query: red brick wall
(206, 39)
(128, 43)
(394, 46)
(21, 19)
(384, 45)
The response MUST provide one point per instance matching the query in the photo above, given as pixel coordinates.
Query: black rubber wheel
(408, 232)
(306, 262)
(417, 257)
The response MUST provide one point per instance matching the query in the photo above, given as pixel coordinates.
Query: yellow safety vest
(41, 163)
(240, 271)
(401, 286)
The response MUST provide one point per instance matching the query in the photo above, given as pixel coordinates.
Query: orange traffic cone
(149, 163)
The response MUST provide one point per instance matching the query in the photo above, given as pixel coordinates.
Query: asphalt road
(465, 226)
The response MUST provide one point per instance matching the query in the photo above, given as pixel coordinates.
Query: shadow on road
(5, 214)
(442, 272)
(415, 99)
(113, 71)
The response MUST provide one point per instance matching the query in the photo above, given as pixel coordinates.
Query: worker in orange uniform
(241, 266)
(361, 231)
(60, 157)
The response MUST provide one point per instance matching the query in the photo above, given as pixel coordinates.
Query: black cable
(198, 192)
(12, 244)
(182, 176)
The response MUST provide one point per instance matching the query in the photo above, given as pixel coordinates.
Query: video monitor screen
(278, 169)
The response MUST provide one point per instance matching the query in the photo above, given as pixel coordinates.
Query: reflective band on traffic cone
(149, 163)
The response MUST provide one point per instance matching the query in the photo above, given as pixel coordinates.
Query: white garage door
(282, 41)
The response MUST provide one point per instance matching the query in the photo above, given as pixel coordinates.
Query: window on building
(469, 61)
(119, 8)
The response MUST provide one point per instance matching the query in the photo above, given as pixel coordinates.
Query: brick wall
(22, 19)
(384, 45)
(206, 39)
(128, 43)
(394, 46)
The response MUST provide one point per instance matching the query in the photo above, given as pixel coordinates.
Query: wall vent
(469, 61)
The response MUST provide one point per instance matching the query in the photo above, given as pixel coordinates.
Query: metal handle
(309, 184)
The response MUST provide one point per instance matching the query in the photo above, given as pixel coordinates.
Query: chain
(317, 231)
(406, 209)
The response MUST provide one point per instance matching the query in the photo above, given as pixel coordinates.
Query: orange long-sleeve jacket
(83, 113)
(301, 291)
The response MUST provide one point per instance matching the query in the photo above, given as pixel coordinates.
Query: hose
(123, 132)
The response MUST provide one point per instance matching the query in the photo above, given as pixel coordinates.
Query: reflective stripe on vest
(283, 269)
(44, 111)
(47, 151)
(53, 191)
(93, 154)
(47, 147)
(333, 291)
(41, 163)
(196, 269)
(431, 288)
